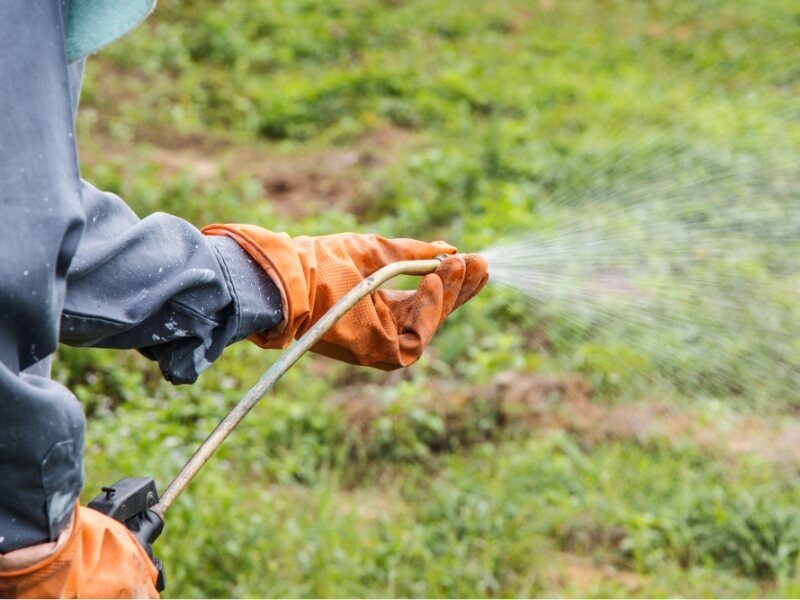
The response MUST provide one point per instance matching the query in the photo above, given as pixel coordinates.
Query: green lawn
(460, 121)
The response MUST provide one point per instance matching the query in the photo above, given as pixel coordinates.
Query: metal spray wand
(280, 366)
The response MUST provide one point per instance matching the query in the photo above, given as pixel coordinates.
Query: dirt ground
(564, 402)
(298, 184)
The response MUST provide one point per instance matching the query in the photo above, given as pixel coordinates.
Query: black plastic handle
(128, 501)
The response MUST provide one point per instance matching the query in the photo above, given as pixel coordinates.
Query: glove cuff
(99, 559)
(276, 254)
(32, 558)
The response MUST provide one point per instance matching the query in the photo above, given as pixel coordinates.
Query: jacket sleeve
(160, 286)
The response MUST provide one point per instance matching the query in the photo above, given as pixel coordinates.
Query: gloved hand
(388, 329)
(100, 559)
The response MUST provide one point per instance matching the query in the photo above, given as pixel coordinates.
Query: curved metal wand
(280, 366)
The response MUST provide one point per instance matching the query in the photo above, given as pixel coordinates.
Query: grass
(451, 120)
(292, 508)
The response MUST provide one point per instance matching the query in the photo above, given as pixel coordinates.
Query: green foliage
(611, 368)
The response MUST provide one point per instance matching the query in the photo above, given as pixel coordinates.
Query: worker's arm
(181, 296)
(159, 285)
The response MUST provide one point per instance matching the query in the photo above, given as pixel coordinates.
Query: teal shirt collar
(91, 24)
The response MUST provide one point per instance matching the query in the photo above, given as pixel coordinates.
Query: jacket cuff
(276, 255)
(256, 297)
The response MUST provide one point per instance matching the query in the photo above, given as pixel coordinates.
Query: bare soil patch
(583, 574)
(515, 401)
(298, 183)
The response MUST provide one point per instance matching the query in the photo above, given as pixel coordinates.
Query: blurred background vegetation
(514, 459)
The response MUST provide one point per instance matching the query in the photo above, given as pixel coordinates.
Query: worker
(79, 267)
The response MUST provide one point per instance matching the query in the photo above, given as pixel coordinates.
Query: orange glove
(388, 329)
(100, 559)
